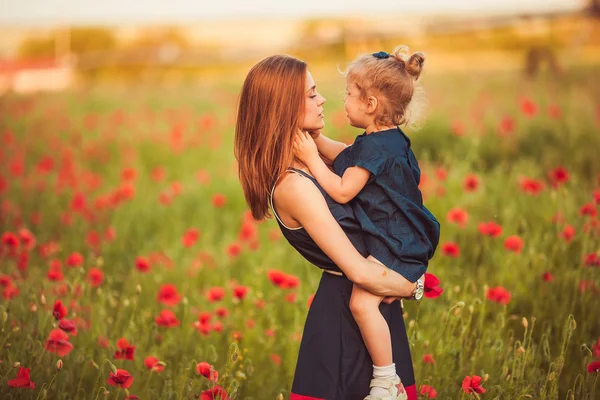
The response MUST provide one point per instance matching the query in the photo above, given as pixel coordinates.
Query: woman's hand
(305, 148)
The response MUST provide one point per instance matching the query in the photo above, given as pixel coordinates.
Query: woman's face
(313, 110)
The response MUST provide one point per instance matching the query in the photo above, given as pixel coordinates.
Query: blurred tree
(594, 7)
(80, 41)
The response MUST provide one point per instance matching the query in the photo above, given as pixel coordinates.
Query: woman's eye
(313, 96)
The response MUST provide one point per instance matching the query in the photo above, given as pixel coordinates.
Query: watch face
(419, 294)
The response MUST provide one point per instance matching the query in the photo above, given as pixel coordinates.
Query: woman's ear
(372, 104)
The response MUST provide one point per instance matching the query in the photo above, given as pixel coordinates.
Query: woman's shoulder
(293, 188)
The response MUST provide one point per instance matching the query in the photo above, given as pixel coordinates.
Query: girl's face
(313, 110)
(355, 107)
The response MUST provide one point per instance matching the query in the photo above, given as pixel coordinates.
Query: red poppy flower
(239, 292)
(428, 359)
(22, 380)
(274, 235)
(278, 278)
(59, 310)
(528, 107)
(203, 328)
(122, 379)
(431, 286)
(513, 243)
(588, 209)
(55, 274)
(58, 342)
(27, 239)
(498, 294)
(554, 111)
(234, 250)
(428, 392)
(451, 249)
(95, 277)
(458, 216)
(558, 176)
(10, 240)
(531, 186)
(490, 229)
(78, 202)
(310, 300)
(167, 319)
(152, 364)
(472, 384)
(75, 259)
(222, 312)
(290, 282)
(204, 317)
(10, 292)
(547, 277)
(248, 231)
(125, 350)
(128, 174)
(219, 200)
(5, 281)
(596, 348)
(290, 297)
(215, 393)
(203, 177)
(471, 183)
(568, 233)
(68, 326)
(168, 295)
(142, 264)
(215, 294)
(276, 358)
(591, 260)
(594, 366)
(506, 126)
(208, 371)
(190, 237)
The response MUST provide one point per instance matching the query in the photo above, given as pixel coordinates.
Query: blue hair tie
(381, 55)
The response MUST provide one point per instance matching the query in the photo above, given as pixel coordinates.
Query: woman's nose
(323, 100)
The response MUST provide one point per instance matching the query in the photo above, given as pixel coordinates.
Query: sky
(109, 12)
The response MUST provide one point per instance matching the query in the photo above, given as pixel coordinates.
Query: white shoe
(390, 385)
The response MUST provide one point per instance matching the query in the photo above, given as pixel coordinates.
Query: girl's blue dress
(399, 230)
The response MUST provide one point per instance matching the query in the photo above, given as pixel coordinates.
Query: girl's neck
(376, 128)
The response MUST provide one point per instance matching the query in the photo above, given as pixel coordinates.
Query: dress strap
(297, 171)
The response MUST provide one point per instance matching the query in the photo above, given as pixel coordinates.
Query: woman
(278, 98)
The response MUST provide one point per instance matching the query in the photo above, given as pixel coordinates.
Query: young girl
(380, 172)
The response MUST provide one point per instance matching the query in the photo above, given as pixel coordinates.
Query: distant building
(32, 76)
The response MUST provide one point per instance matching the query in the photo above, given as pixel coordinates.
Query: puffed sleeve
(367, 154)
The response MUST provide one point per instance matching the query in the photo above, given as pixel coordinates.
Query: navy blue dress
(398, 229)
(333, 361)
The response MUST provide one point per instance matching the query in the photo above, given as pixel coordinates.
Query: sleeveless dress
(333, 362)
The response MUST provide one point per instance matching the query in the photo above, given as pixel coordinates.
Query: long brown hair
(270, 109)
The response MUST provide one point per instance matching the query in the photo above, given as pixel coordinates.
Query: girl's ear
(372, 104)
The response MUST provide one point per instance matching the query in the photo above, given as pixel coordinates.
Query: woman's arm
(341, 189)
(300, 198)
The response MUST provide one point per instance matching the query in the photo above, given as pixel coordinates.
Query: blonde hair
(270, 109)
(393, 81)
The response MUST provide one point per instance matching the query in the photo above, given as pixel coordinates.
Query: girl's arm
(341, 189)
(300, 199)
(327, 147)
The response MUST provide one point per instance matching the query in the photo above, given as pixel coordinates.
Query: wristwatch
(418, 291)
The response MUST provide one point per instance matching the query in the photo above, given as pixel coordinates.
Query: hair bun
(414, 65)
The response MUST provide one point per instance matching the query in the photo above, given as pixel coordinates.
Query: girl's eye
(313, 96)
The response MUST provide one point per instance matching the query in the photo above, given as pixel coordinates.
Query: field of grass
(123, 207)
